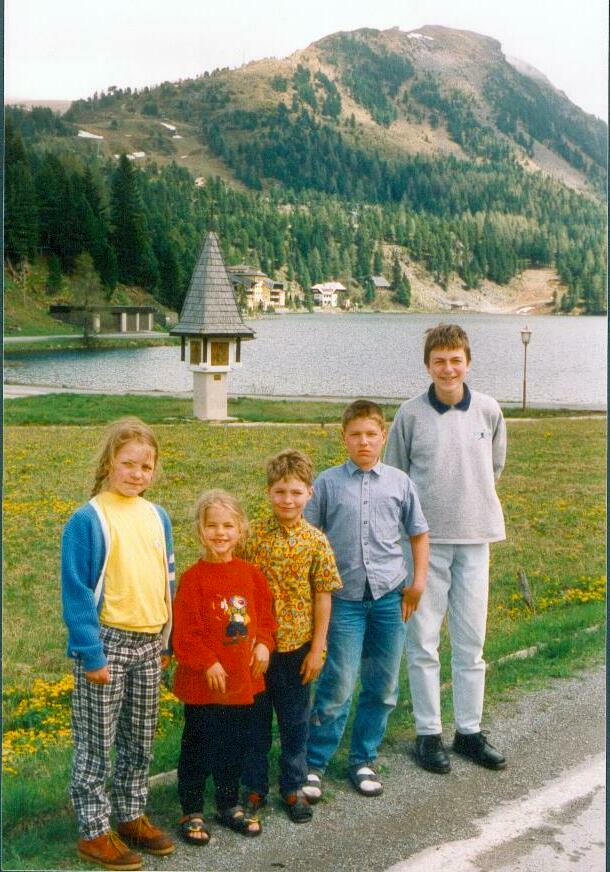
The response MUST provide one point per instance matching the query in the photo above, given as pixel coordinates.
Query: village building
(261, 291)
(327, 294)
(380, 283)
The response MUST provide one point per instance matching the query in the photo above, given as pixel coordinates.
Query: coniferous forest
(318, 206)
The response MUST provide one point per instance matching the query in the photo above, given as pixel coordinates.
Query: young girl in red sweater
(222, 638)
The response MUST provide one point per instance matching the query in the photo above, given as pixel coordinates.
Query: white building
(326, 294)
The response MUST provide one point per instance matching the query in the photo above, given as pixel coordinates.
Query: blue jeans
(368, 635)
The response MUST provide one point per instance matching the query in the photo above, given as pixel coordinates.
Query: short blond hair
(289, 463)
(222, 498)
(449, 336)
(363, 409)
(118, 434)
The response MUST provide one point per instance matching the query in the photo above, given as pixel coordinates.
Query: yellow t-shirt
(135, 577)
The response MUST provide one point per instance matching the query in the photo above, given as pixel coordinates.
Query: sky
(66, 49)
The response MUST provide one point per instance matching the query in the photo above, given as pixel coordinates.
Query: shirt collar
(276, 526)
(441, 407)
(353, 467)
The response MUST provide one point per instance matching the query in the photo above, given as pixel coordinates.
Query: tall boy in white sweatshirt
(451, 441)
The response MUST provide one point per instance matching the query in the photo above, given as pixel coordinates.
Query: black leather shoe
(431, 755)
(477, 748)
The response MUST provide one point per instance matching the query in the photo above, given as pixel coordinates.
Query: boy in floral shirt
(300, 567)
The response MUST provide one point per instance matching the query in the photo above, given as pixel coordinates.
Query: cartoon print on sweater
(236, 609)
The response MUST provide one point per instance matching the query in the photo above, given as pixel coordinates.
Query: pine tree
(400, 283)
(20, 210)
(96, 230)
(378, 261)
(53, 274)
(369, 292)
(86, 288)
(130, 238)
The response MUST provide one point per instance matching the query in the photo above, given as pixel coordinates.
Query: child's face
(364, 438)
(448, 368)
(219, 533)
(132, 469)
(288, 498)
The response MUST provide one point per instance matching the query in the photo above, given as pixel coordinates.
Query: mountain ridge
(445, 91)
(365, 151)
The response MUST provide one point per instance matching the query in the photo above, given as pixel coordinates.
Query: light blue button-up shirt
(363, 513)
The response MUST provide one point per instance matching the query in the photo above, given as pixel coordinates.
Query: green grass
(77, 343)
(65, 408)
(553, 492)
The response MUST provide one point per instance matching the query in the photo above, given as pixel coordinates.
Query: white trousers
(458, 584)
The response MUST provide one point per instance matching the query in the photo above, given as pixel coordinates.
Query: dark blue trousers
(291, 701)
(213, 743)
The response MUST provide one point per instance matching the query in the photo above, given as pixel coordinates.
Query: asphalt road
(542, 812)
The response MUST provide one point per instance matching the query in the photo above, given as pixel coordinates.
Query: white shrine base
(210, 396)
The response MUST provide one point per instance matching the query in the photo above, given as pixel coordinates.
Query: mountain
(434, 91)
(366, 151)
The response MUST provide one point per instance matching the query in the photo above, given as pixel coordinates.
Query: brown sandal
(235, 819)
(193, 829)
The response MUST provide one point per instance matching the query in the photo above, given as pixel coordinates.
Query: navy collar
(441, 407)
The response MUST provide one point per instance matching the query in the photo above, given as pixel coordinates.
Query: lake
(350, 355)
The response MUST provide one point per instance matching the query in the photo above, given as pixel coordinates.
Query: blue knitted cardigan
(85, 546)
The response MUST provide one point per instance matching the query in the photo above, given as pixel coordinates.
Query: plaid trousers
(122, 713)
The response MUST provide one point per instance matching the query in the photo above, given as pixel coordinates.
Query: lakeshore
(317, 356)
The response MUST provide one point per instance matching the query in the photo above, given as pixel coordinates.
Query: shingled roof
(210, 307)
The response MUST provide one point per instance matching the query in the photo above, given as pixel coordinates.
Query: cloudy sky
(64, 49)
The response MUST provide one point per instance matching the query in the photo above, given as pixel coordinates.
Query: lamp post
(526, 335)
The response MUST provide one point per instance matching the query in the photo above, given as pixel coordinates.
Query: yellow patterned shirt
(298, 562)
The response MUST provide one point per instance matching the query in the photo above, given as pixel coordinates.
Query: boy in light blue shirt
(363, 506)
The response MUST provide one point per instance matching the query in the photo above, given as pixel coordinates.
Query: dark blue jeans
(291, 701)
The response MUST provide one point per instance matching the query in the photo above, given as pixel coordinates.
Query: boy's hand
(259, 661)
(410, 600)
(166, 659)
(312, 666)
(217, 677)
(98, 676)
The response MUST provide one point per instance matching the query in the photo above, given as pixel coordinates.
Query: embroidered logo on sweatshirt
(236, 609)
(481, 434)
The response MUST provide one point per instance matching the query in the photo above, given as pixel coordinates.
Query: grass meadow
(553, 492)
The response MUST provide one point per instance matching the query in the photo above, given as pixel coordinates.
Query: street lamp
(526, 335)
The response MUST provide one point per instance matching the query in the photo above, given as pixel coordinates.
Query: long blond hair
(118, 434)
(225, 500)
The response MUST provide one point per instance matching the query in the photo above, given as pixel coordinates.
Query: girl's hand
(312, 666)
(217, 678)
(259, 662)
(166, 659)
(410, 600)
(98, 676)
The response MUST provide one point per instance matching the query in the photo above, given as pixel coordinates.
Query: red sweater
(221, 611)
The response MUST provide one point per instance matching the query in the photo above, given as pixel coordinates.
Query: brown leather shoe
(141, 833)
(108, 851)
